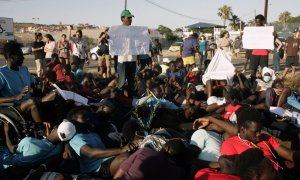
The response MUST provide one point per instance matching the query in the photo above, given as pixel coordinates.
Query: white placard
(6, 29)
(128, 40)
(258, 37)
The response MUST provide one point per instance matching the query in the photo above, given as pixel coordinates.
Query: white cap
(66, 130)
(195, 69)
(166, 60)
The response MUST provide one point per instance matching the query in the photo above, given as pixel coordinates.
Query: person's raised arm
(226, 126)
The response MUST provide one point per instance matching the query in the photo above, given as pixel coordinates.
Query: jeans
(276, 60)
(126, 72)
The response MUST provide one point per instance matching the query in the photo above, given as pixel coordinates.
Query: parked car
(26, 49)
(175, 46)
(93, 53)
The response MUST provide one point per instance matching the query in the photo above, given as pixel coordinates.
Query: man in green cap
(127, 63)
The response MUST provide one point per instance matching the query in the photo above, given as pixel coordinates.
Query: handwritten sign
(128, 40)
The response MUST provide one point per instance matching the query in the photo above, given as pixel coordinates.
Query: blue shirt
(12, 82)
(30, 152)
(202, 46)
(87, 164)
(188, 46)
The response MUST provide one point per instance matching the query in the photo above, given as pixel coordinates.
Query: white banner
(128, 40)
(258, 37)
(6, 29)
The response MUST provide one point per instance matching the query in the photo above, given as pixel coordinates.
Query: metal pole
(125, 4)
(266, 11)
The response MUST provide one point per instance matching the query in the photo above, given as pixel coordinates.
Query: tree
(284, 17)
(235, 22)
(167, 32)
(178, 30)
(225, 12)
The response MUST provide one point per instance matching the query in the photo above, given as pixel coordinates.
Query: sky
(171, 13)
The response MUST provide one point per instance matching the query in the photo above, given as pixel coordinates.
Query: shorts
(292, 61)
(189, 60)
(107, 60)
(256, 61)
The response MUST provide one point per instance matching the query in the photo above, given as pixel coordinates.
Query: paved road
(92, 67)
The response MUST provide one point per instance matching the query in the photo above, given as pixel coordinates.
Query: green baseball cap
(126, 13)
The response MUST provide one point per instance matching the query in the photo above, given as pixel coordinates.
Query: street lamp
(125, 4)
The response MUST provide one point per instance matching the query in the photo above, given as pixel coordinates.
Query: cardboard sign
(128, 40)
(258, 37)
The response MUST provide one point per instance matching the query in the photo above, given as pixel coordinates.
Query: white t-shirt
(79, 48)
(127, 58)
(50, 46)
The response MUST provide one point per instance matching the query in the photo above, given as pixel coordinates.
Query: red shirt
(230, 110)
(213, 174)
(235, 145)
(260, 52)
(59, 70)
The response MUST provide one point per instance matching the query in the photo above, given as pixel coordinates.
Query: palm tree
(234, 22)
(284, 17)
(225, 12)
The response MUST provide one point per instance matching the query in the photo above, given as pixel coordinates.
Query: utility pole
(266, 11)
(125, 4)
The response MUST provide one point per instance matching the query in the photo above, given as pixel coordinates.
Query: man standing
(127, 63)
(79, 50)
(156, 51)
(188, 50)
(291, 53)
(259, 57)
(39, 55)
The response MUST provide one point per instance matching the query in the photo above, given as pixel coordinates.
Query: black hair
(67, 68)
(178, 60)
(129, 128)
(157, 69)
(197, 112)
(177, 151)
(250, 163)
(80, 32)
(50, 37)
(234, 96)
(55, 58)
(51, 76)
(37, 35)
(278, 83)
(247, 115)
(10, 48)
(260, 17)
(148, 74)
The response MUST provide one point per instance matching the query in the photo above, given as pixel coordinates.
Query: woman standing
(225, 42)
(64, 50)
(39, 55)
(103, 54)
(50, 47)
(276, 59)
(202, 49)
